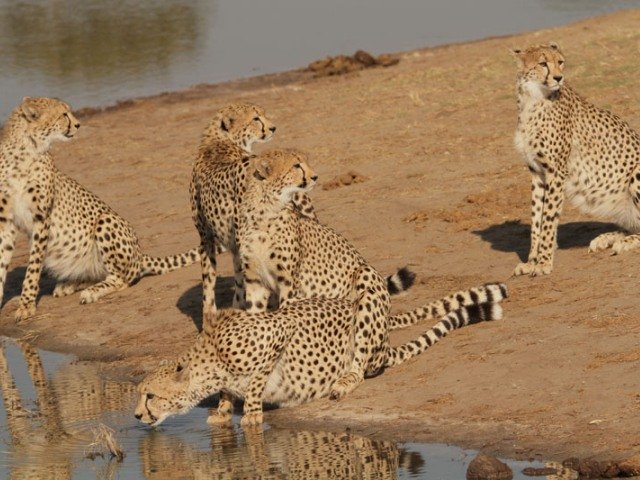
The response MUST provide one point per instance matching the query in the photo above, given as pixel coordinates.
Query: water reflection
(52, 404)
(81, 39)
(274, 453)
(49, 434)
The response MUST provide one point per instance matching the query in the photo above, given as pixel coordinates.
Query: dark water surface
(94, 52)
(51, 406)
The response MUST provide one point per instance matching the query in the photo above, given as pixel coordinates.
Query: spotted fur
(573, 149)
(289, 254)
(73, 234)
(289, 356)
(218, 186)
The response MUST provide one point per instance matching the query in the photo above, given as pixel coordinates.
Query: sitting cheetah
(291, 355)
(288, 253)
(73, 234)
(577, 149)
(218, 185)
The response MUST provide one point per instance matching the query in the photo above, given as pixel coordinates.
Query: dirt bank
(445, 192)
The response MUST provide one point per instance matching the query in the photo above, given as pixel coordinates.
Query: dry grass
(104, 439)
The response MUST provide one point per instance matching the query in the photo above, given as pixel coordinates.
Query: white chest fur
(21, 202)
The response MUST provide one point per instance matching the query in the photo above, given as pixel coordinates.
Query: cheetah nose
(77, 125)
(138, 416)
(273, 129)
(557, 78)
(314, 178)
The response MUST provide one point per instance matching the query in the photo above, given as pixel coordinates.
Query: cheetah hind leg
(68, 288)
(111, 284)
(618, 242)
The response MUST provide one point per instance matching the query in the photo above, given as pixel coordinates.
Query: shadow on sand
(513, 236)
(190, 302)
(13, 285)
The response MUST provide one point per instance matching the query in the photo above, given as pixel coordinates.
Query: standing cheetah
(72, 233)
(576, 149)
(292, 355)
(218, 186)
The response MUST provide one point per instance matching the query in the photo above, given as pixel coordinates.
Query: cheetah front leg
(7, 238)
(37, 251)
(239, 294)
(252, 414)
(547, 198)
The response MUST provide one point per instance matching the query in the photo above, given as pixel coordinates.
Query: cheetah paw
(62, 290)
(343, 386)
(606, 241)
(251, 419)
(25, 311)
(219, 419)
(624, 245)
(87, 296)
(533, 269)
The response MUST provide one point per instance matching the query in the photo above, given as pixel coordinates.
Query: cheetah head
(243, 123)
(540, 68)
(163, 393)
(284, 173)
(46, 120)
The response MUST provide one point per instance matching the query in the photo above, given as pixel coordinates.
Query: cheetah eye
(543, 64)
(150, 396)
(297, 165)
(560, 62)
(256, 119)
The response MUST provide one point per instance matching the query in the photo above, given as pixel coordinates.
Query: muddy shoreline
(432, 137)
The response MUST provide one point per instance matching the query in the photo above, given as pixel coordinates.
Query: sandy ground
(444, 192)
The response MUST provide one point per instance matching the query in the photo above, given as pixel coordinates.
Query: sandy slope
(445, 193)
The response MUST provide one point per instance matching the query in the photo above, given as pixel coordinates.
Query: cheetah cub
(218, 185)
(73, 234)
(576, 149)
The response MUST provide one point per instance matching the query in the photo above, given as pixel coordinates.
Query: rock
(486, 467)
(341, 64)
(630, 467)
(588, 468)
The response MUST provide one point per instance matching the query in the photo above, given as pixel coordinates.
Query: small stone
(487, 467)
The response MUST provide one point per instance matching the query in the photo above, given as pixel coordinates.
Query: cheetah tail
(161, 265)
(488, 293)
(400, 281)
(451, 321)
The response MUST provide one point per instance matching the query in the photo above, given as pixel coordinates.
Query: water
(52, 406)
(94, 52)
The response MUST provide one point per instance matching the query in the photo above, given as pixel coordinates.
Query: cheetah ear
(554, 45)
(226, 122)
(28, 109)
(518, 54)
(263, 169)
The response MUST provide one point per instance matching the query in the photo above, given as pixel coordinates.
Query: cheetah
(291, 355)
(355, 325)
(290, 254)
(217, 188)
(576, 149)
(73, 234)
